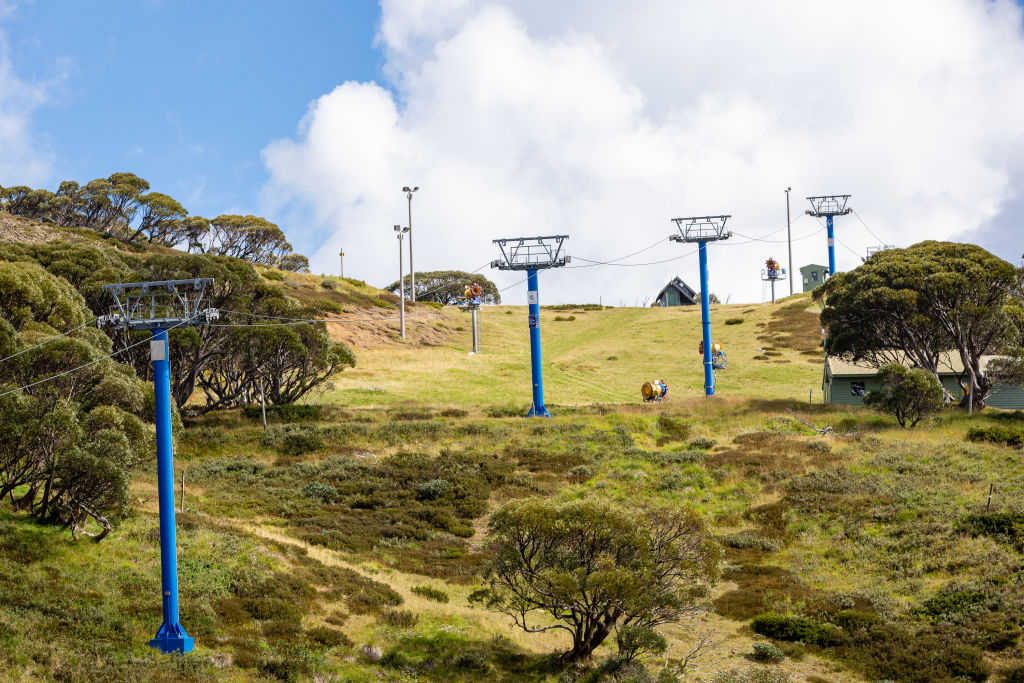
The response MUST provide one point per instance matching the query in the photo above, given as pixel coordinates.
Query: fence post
(263, 405)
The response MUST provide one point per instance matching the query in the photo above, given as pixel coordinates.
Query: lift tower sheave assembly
(830, 206)
(159, 307)
(703, 229)
(532, 254)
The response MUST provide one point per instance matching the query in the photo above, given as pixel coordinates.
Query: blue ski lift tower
(159, 307)
(532, 254)
(703, 229)
(829, 206)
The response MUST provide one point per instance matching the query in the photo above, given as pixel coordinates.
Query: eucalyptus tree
(914, 304)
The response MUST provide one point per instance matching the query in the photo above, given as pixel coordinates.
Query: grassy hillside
(596, 356)
(315, 550)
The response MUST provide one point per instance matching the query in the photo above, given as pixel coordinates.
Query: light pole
(341, 255)
(789, 240)
(412, 271)
(401, 278)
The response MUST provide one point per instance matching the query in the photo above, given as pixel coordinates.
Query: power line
(47, 341)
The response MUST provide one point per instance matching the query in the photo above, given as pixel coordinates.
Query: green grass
(646, 344)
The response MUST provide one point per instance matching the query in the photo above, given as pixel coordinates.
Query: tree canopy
(921, 301)
(123, 207)
(447, 286)
(588, 567)
(225, 363)
(71, 418)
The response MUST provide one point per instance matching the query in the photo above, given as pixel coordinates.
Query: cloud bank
(604, 120)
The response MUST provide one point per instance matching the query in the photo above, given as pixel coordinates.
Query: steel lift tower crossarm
(532, 254)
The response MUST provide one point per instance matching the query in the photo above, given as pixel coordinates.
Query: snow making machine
(654, 391)
(719, 360)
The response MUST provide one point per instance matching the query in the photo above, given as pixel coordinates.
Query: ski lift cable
(90, 363)
(880, 240)
(47, 341)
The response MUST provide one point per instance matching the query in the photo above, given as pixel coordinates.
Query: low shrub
(286, 412)
(734, 321)
(782, 627)
(408, 415)
(471, 660)
(671, 429)
(399, 618)
(1003, 434)
(702, 443)
(505, 411)
(321, 306)
(564, 319)
(324, 493)
(453, 412)
(431, 593)
(887, 651)
(1005, 527)
(1015, 674)
(766, 652)
(752, 675)
(329, 284)
(950, 605)
(329, 637)
(684, 457)
(295, 439)
(434, 489)
(273, 275)
(580, 473)
(747, 539)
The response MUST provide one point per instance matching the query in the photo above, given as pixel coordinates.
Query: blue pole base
(538, 411)
(171, 639)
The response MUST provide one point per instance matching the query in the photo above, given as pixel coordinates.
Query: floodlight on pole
(412, 271)
(829, 206)
(703, 229)
(401, 279)
(772, 273)
(532, 254)
(159, 307)
(789, 241)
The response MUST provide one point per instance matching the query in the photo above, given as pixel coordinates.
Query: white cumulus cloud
(604, 120)
(23, 160)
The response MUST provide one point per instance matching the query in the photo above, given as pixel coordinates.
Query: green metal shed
(846, 383)
(813, 275)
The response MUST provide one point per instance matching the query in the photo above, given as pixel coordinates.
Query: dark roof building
(676, 293)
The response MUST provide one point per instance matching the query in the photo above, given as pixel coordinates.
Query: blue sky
(596, 118)
(184, 93)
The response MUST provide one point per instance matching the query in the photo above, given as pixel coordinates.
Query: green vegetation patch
(1007, 435)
